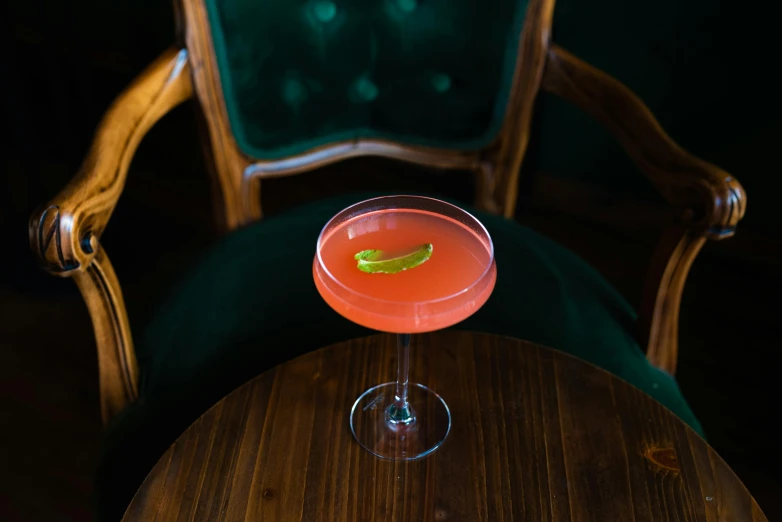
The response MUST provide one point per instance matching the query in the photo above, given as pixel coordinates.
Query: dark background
(705, 67)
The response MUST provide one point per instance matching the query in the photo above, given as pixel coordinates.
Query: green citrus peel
(375, 262)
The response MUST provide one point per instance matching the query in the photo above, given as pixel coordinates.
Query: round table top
(536, 435)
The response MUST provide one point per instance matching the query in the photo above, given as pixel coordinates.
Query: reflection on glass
(405, 265)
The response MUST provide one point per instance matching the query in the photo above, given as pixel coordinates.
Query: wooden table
(537, 435)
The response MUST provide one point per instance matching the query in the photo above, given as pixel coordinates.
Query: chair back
(289, 86)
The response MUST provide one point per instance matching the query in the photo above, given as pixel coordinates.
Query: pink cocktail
(403, 264)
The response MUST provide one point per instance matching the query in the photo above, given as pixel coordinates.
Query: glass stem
(400, 412)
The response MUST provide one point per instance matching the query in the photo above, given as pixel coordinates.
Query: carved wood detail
(117, 366)
(77, 216)
(49, 236)
(64, 234)
(718, 199)
(711, 201)
(337, 152)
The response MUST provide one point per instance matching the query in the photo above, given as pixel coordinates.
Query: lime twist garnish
(372, 261)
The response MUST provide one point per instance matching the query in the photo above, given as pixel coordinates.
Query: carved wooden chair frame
(65, 233)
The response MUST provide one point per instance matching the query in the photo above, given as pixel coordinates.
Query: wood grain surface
(537, 435)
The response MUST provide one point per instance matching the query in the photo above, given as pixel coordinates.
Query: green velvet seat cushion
(302, 73)
(250, 304)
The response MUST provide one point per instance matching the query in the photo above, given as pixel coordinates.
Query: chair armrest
(64, 233)
(711, 201)
(714, 200)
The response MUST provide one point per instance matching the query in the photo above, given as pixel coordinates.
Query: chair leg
(117, 366)
(659, 312)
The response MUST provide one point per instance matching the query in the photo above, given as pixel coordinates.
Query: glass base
(371, 423)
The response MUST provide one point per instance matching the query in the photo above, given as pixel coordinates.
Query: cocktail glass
(402, 420)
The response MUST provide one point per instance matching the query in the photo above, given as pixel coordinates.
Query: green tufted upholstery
(236, 314)
(301, 73)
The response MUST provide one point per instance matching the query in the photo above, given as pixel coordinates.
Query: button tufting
(407, 6)
(441, 82)
(324, 11)
(364, 90)
(293, 91)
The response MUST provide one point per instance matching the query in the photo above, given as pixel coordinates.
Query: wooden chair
(487, 136)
